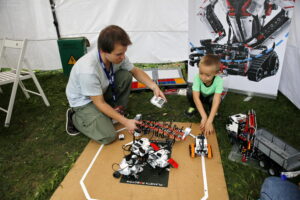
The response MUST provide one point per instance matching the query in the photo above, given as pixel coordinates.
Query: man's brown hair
(110, 36)
(211, 60)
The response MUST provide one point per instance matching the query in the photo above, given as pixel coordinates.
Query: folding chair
(17, 75)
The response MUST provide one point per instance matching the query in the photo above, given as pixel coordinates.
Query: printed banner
(249, 36)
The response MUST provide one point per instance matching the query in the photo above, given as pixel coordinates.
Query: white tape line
(204, 179)
(121, 129)
(86, 193)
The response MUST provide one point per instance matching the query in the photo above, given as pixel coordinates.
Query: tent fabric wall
(290, 81)
(31, 19)
(158, 29)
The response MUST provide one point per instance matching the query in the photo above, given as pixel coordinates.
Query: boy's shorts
(204, 99)
(207, 99)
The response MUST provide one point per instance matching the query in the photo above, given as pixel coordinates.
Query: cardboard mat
(185, 182)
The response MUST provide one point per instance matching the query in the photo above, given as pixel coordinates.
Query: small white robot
(236, 124)
(141, 147)
(129, 166)
(159, 159)
(200, 148)
(144, 152)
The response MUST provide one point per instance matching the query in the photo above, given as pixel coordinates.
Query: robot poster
(249, 36)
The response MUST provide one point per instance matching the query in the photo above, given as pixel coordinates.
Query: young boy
(207, 89)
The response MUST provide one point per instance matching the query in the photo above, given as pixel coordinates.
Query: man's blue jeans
(274, 188)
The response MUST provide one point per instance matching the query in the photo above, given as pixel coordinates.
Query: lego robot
(241, 129)
(160, 159)
(250, 48)
(271, 152)
(200, 147)
(164, 130)
(143, 152)
(129, 166)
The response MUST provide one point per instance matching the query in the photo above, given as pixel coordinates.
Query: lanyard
(110, 76)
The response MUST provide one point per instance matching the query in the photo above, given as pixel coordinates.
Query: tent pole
(55, 22)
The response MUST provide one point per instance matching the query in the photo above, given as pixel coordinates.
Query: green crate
(70, 50)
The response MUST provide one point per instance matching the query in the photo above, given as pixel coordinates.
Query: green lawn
(36, 153)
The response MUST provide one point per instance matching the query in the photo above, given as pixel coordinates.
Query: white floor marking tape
(85, 191)
(204, 179)
(121, 129)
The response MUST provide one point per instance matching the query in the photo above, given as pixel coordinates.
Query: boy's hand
(202, 124)
(209, 128)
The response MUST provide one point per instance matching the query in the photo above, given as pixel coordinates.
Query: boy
(207, 89)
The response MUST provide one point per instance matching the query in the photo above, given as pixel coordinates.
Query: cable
(112, 166)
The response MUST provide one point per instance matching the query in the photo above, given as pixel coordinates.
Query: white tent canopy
(158, 30)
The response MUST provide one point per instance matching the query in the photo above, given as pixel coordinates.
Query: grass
(36, 153)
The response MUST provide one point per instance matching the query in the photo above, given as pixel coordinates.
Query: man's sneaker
(70, 128)
(190, 112)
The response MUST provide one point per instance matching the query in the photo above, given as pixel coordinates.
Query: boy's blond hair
(211, 60)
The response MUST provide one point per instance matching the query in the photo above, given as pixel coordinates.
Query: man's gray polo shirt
(88, 78)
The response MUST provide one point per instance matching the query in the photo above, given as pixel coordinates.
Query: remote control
(157, 101)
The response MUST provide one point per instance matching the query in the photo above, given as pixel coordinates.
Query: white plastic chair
(17, 75)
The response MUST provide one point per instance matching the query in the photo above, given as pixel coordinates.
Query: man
(101, 81)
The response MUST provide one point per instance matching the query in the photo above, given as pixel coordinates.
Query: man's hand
(209, 128)
(131, 125)
(158, 93)
(142, 77)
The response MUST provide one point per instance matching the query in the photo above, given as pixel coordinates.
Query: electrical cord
(112, 166)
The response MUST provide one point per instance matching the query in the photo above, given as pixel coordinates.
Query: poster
(248, 35)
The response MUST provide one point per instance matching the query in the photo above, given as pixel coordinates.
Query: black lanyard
(110, 76)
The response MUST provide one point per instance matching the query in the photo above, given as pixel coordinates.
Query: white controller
(157, 101)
